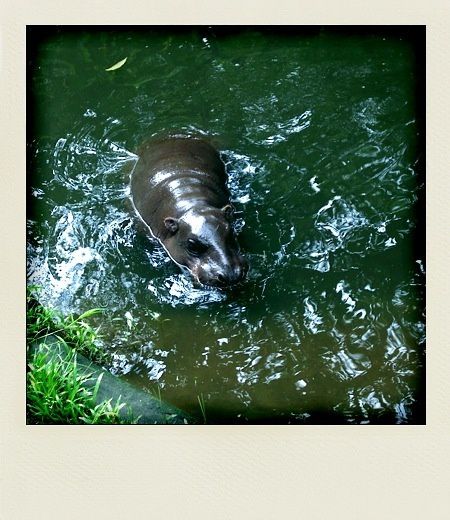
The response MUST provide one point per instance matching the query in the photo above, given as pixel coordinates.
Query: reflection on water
(319, 136)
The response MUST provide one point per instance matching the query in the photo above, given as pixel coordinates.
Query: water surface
(322, 138)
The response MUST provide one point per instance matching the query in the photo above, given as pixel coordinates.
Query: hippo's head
(203, 241)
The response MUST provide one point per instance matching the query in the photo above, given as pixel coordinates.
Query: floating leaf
(117, 65)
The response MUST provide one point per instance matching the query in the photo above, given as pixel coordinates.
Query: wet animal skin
(179, 190)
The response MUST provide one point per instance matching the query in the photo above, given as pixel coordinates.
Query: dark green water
(321, 137)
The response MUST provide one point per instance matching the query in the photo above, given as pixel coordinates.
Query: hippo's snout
(233, 274)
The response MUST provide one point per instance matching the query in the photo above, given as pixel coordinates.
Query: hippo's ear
(228, 211)
(171, 224)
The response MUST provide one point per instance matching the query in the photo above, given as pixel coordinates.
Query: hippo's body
(178, 188)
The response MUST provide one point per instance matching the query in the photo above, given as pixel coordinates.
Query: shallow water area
(321, 135)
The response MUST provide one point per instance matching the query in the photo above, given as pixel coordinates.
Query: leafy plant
(57, 393)
(45, 321)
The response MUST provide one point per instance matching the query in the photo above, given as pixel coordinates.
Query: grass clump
(74, 331)
(57, 393)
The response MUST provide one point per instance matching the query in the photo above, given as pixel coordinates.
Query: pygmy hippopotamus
(179, 190)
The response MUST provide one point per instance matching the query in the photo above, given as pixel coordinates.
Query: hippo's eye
(195, 247)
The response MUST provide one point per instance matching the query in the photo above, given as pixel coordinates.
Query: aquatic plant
(201, 402)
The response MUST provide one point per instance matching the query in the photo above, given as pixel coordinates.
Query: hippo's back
(175, 174)
(179, 154)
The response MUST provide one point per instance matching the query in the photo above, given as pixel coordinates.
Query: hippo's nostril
(232, 275)
(221, 278)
